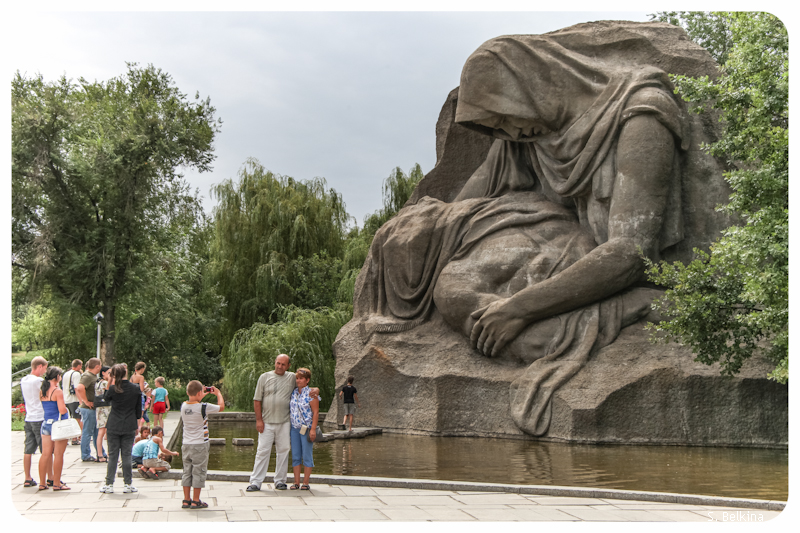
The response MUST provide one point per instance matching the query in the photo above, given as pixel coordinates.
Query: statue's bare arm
(644, 165)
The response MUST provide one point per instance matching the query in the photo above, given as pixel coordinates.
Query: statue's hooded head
(519, 87)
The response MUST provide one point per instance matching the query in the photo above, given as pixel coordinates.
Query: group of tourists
(110, 405)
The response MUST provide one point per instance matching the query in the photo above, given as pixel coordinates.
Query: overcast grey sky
(345, 96)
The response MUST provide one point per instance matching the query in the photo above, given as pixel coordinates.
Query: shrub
(16, 396)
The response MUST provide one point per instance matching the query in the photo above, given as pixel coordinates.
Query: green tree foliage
(173, 322)
(317, 284)
(733, 301)
(30, 328)
(94, 185)
(316, 281)
(265, 225)
(305, 335)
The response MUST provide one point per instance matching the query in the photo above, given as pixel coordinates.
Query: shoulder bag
(67, 428)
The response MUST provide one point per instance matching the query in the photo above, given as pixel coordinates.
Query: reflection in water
(735, 472)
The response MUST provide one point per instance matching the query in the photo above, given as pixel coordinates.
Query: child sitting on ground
(140, 442)
(194, 415)
(153, 461)
(144, 434)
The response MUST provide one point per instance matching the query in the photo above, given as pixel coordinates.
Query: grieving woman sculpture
(539, 257)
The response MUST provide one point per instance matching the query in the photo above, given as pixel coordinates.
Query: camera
(208, 389)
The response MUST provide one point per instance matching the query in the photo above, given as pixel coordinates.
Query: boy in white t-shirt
(194, 414)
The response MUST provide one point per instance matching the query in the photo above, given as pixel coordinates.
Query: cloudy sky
(347, 96)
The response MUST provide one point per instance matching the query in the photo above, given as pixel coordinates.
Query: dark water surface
(735, 472)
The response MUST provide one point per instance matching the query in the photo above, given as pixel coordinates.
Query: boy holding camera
(194, 414)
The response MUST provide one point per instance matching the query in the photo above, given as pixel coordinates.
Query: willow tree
(96, 186)
(306, 335)
(266, 225)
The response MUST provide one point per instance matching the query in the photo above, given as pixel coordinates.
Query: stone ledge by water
(541, 490)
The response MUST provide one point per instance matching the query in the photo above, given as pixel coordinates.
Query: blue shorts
(47, 427)
(302, 448)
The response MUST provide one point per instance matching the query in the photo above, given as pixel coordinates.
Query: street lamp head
(98, 317)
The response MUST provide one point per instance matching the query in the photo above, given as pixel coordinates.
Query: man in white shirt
(73, 377)
(31, 386)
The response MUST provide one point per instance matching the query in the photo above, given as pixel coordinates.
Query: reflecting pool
(735, 472)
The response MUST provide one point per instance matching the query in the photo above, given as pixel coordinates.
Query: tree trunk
(107, 350)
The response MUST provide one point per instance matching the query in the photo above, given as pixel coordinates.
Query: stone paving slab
(447, 514)
(340, 498)
(79, 516)
(419, 500)
(364, 515)
(408, 513)
(242, 516)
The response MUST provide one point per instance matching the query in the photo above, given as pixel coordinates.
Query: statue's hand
(495, 327)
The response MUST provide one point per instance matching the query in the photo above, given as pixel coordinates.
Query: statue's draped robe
(569, 170)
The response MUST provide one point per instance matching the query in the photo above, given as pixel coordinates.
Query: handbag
(64, 429)
(319, 437)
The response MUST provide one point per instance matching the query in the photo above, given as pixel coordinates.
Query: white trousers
(279, 434)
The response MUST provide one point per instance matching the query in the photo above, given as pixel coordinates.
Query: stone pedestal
(430, 381)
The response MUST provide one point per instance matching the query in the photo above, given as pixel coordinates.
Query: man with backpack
(69, 381)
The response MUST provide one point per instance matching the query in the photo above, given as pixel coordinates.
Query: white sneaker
(108, 489)
(130, 488)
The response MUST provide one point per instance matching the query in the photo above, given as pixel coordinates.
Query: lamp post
(99, 319)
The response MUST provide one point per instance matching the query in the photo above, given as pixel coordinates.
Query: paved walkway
(329, 500)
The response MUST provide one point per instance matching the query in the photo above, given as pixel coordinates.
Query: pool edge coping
(540, 490)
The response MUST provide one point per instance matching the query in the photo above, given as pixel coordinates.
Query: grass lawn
(17, 425)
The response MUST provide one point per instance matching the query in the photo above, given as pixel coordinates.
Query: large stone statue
(536, 257)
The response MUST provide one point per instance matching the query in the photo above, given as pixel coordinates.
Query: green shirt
(274, 392)
(88, 380)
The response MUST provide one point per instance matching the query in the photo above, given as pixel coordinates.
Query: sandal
(185, 504)
(62, 486)
(102, 460)
(43, 487)
(305, 487)
(144, 473)
(154, 475)
(198, 504)
(294, 487)
(49, 482)
(30, 483)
